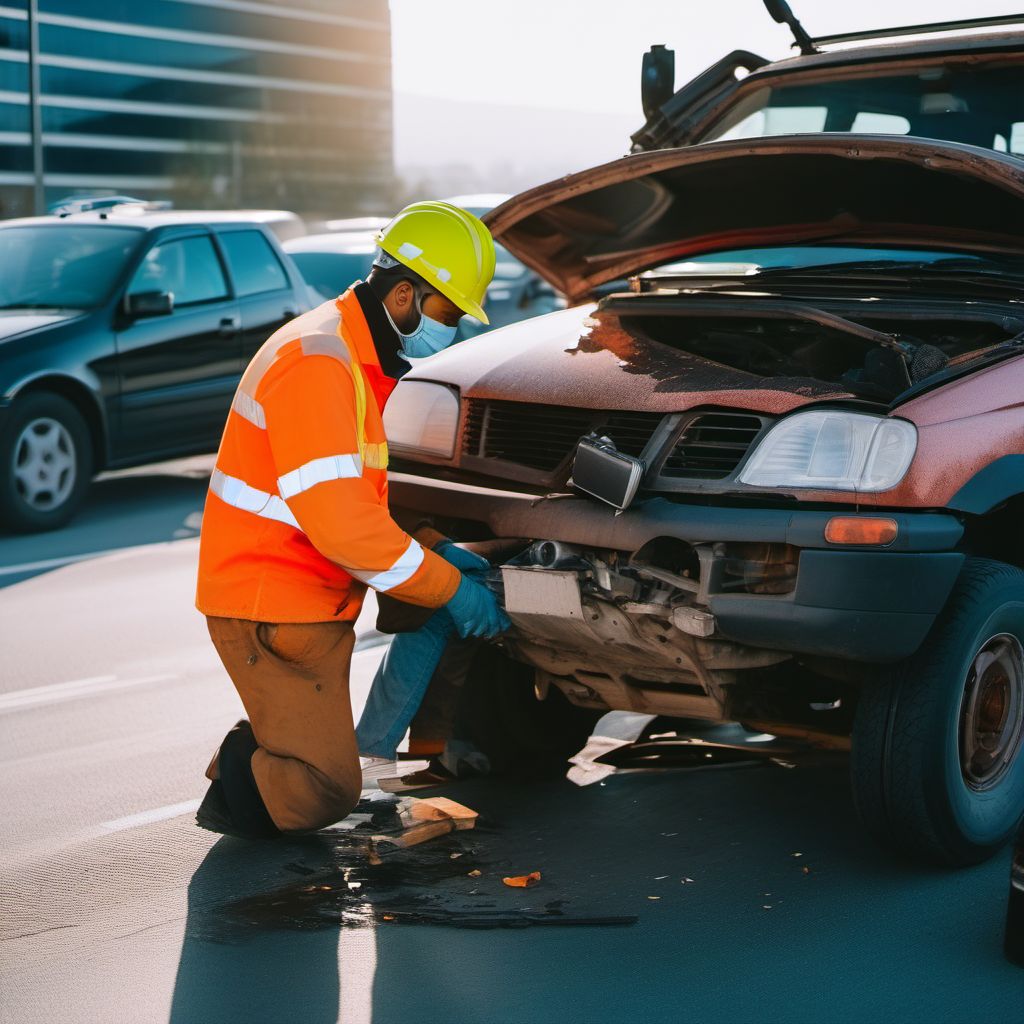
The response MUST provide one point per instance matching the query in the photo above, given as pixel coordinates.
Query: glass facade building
(209, 103)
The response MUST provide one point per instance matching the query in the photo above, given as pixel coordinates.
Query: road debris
(475, 873)
(522, 881)
(617, 744)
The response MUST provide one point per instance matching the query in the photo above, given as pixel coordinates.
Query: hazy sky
(533, 89)
(585, 54)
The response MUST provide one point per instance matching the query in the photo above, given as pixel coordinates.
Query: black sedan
(122, 339)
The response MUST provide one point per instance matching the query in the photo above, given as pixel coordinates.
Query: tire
(915, 784)
(521, 735)
(46, 463)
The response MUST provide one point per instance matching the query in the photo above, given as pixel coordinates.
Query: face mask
(428, 338)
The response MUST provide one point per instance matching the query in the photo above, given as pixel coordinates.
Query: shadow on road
(756, 897)
(231, 970)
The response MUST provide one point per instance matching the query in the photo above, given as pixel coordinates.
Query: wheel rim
(45, 464)
(992, 712)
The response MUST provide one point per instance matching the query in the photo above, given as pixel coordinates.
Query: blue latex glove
(475, 610)
(463, 560)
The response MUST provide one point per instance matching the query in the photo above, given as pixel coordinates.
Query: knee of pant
(331, 808)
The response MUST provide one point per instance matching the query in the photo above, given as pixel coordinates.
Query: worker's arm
(312, 428)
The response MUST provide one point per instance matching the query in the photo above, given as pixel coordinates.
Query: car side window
(254, 264)
(188, 268)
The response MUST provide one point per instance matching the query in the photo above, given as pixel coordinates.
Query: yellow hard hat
(448, 247)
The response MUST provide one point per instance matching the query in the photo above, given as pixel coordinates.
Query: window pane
(870, 123)
(254, 267)
(331, 273)
(188, 269)
(61, 265)
(954, 101)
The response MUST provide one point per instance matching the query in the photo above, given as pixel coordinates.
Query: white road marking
(55, 563)
(150, 817)
(357, 968)
(55, 693)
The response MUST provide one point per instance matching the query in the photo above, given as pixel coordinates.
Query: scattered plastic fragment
(654, 897)
(387, 917)
(806, 870)
(684, 881)
(660, 878)
(669, 835)
(523, 881)
(475, 873)
(796, 855)
(454, 856)
(766, 906)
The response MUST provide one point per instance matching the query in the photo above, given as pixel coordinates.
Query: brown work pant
(293, 681)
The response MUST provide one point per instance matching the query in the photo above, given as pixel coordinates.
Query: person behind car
(296, 524)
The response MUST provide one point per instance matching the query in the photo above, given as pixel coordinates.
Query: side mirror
(144, 304)
(657, 79)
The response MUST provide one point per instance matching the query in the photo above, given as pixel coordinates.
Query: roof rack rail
(913, 30)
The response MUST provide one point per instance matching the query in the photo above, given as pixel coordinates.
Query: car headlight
(421, 418)
(829, 450)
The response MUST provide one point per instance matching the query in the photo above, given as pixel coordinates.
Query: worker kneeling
(296, 525)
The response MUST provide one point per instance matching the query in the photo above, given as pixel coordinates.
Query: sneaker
(376, 768)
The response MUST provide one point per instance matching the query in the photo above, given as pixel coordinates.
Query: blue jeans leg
(399, 685)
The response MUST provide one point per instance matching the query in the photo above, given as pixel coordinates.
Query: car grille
(711, 446)
(542, 437)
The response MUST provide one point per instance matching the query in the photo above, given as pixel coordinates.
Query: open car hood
(618, 219)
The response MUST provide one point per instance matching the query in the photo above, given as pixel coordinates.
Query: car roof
(353, 242)
(150, 219)
(903, 47)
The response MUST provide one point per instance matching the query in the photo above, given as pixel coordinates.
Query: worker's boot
(233, 805)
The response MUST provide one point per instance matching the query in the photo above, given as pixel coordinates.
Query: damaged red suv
(822, 383)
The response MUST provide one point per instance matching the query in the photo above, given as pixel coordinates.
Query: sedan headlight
(422, 419)
(829, 450)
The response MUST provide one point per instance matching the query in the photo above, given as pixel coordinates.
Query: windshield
(748, 261)
(330, 273)
(979, 106)
(62, 266)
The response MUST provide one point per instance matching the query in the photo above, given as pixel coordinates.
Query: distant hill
(465, 146)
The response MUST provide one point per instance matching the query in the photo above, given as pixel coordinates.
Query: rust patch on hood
(607, 366)
(683, 371)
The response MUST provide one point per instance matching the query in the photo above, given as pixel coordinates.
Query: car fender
(86, 395)
(991, 486)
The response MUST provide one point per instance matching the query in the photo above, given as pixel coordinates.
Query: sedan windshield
(744, 262)
(979, 106)
(62, 266)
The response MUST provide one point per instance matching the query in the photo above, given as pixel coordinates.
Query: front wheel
(46, 461)
(936, 762)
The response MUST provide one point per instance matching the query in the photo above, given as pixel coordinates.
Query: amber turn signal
(861, 530)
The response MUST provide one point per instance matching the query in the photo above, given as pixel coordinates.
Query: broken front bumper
(857, 604)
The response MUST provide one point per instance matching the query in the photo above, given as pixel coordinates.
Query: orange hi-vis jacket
(296, 524)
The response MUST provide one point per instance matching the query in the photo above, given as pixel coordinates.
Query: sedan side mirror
(143, 304)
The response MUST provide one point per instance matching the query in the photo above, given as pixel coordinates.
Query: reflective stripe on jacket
(296, 524)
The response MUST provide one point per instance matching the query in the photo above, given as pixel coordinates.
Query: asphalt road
(123, 509)
(114, 906)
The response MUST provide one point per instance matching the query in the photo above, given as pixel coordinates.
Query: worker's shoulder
(321, 321)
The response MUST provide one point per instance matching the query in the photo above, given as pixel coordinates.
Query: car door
(178, 371)
(266, 298)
